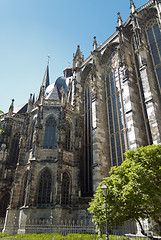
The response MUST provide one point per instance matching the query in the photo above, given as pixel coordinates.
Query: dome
(61, 82)
(49, 88)
(53, 90)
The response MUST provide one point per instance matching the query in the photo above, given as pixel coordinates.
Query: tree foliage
(134, 189)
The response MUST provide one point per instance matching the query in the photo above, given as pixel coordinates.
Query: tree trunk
(142, 229)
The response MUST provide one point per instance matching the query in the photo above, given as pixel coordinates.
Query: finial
(69, 64)
(29, 107)
(94, 44)
(119, 20)
(30, 97)
(11, 107)
(33, 99)
(132, 6)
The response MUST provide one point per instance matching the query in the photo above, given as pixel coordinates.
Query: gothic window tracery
(65, 195)
(115, 112)
(14, 150)
(44, 188)
(153, 34)
(50, 133)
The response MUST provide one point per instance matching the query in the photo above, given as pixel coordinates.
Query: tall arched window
(50, 132)
(65, 196)
(88, 157)
(14, 150)
(44, 188)
(67, 136)
(115, 114)
(153, 34)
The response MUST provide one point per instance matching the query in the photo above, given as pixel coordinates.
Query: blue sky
(32, 29)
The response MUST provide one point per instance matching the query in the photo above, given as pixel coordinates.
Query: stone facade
(56, 149)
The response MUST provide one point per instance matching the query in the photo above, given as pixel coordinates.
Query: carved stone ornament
(3, 147)
(147, 15)
(107, 53)
(86, 71)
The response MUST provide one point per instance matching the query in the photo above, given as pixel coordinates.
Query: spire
(119, 20)
(29, 107)
(132, 6)
(78, 58)
(11, 108)
(45, 82)
(94, 44)
(33, 99)
(78, 52)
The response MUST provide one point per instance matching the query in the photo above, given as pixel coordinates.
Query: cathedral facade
(56, 148)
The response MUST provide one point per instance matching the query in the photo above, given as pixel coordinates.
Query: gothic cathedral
(56, 148)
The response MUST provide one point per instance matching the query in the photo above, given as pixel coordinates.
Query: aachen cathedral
(56, 148)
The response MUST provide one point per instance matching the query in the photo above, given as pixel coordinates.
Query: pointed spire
(45, 82)
(119, 20)
(78, 52)
(78, 58)
(94, 44)
(11, 108)
(33, 99)
(29, 107)
(132, 6)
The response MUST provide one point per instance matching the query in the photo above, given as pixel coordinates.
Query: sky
(30, 30)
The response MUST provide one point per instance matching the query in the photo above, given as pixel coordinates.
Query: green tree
(134, 189)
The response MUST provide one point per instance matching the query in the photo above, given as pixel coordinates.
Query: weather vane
(68, 64)
(48, 58)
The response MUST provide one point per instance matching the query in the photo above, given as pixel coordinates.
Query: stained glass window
(153, 34)
(44, 188)
(115, 115)
(88, 142)
(50, 133)
(14, 150)
(65, 196)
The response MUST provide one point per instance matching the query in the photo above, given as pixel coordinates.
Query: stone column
(148, 97)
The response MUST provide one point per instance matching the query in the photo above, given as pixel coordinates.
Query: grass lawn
(56, 236)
